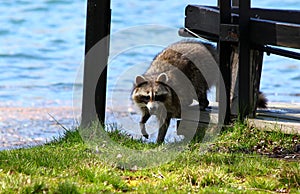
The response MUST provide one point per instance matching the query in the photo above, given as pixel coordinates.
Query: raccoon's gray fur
(180, 73)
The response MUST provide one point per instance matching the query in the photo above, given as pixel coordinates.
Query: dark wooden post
(234, 71)
(95, 64)
(256, 61)
(235, 3)
(245, 100)
(224, 61)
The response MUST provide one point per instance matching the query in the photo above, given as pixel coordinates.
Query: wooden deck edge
(273, 125)
(284, 117)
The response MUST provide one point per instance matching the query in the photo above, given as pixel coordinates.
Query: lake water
(42, 48)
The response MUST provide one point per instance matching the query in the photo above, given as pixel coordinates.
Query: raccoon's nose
(151, 106)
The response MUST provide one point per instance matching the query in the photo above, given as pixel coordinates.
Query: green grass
(241, 160)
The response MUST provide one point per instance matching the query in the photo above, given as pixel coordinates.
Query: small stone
(134, 168)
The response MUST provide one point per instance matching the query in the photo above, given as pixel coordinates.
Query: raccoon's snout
(152, 107)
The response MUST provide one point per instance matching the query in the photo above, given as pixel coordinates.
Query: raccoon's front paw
(143, 130)
(203, 104)
(146, 136)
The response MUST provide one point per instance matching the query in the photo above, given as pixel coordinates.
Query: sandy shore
(22, 126)
(26, 126)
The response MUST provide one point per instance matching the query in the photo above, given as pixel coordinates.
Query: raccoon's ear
(163, 77)
(140, 79)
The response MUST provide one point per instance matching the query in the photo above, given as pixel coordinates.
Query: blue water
(42, 48)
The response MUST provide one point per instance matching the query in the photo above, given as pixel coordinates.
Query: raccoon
(182, 72)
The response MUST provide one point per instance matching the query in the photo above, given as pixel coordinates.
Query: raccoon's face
(152, 94)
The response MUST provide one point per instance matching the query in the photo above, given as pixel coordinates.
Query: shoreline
(28, 126)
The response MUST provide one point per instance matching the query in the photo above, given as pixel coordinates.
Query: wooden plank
(205, 20)
(288, 111)
(275, 124)
(288, 16)
(282, 110)
(285, 116)
(280, 116)
(275, 33)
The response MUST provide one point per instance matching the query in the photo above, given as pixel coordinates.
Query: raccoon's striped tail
(262, 101)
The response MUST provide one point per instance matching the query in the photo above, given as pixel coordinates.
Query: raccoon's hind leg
(203, 101)
(144, 119)
(201, 88)
(202, 97)
(164, 124)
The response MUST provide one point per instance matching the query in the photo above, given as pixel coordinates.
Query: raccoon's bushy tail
(262, 101)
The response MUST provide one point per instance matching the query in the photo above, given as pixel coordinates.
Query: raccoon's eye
(160, 98)
(144, 99)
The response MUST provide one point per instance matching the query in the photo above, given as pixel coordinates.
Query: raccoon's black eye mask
(144, 99)
(160, 98)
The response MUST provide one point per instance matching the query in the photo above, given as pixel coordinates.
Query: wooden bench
(243, 34)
